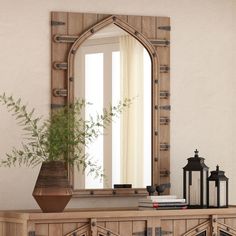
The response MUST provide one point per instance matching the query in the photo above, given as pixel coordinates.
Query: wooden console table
(208, 222)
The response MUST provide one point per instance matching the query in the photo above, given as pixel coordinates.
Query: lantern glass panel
(205, 175)
(213, 194)
(194, 188)
(187, 187)
(222, 193)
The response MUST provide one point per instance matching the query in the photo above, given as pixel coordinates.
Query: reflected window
(110, 66)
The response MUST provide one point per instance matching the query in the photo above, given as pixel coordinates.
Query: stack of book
(162, 202)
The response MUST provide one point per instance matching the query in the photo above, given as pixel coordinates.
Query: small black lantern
(195, 182)
(217, 189)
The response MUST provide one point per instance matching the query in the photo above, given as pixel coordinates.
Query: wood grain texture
(78, 24)
(59, 53)
(122, 223)
(179, 227)
(167, 225)
(125, 228)
(55, 230)
(42, 229)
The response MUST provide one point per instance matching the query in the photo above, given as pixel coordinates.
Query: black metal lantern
(195, 182)
(217, 189)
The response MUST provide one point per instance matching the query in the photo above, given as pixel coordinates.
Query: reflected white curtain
(131, 56)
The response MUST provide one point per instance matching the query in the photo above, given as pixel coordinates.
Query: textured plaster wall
(203, 87)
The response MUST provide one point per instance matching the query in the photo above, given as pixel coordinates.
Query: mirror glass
(109, 66)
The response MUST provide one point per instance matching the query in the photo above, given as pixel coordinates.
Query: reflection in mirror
(109, 66)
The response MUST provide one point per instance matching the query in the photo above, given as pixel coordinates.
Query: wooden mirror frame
(69, 31)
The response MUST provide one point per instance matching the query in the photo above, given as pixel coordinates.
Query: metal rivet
(228, 229)
(91, 192)
(73, 51)
(93, 224)
(114, 192)
(108, 233)
(156, 81)
(156, 133)
(92, 31)
(156, 107)
(154, 54)
(136, 191)
(156, 159)
(114, 18)
(136, 33)
(71, 79)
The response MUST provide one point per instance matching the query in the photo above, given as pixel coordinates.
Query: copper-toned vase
(52, 190)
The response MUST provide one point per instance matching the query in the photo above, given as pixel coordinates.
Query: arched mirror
(103, 59)
(109, 66)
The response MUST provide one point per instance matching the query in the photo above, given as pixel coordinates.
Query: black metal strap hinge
(60, 65)
(31, 233)
(165, 27)
(57, 23)
(164, 120)
(65, 38)
(57, 106)
(164, 68)
(164, 173)
(160, 232)
(160, 42)
(165, 107)
(164, 94)
(164, 147)
(60, 92)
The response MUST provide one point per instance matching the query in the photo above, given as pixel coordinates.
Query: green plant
(62, 137)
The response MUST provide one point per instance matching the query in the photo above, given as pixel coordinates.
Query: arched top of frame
(120, 23)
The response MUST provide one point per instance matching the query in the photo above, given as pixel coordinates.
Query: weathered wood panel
(149, 26)
(55, 230)
(59, 54)
(42, 229)
(126, 228)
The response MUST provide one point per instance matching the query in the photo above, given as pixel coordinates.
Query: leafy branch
(61, 137)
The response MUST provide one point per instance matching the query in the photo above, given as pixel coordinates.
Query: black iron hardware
(165, 107)
(160, 232)
(164, 68)
(147, 232)
(164, 147)
(167, 28)
(74, 234)
(57, 23)
(65, 38)
(164, 120)
(164, 94)
(56, 106)
(31, 233)
(164, 173)
(160, 42)
(73, 51)
(60, 92)
(60, 65)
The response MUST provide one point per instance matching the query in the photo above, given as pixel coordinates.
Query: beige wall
(202, 81)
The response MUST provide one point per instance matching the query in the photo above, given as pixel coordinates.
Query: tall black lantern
(217, 189)
(195, 182)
